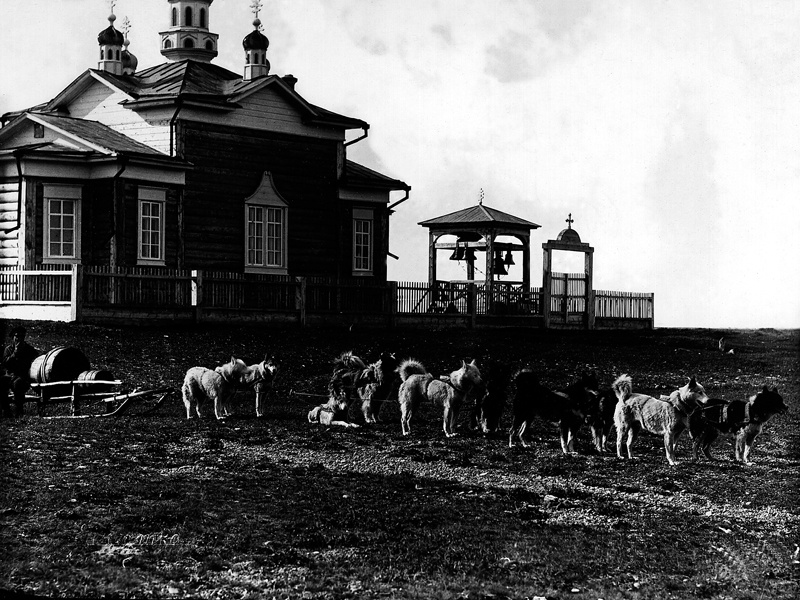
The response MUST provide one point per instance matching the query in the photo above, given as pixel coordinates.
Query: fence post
(392, 293)
(197, 294)
(473, 304)
(76, 293)
(300, 299)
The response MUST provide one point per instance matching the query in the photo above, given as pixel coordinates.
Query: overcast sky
(669, 129)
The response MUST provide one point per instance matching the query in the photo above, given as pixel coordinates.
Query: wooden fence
(142, 292)
(623, 305)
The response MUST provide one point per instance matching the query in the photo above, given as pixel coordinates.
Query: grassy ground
(157, 506)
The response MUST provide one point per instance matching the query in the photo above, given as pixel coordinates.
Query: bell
(458, 253)
(469, 255)
(499, 266)
(509, 260)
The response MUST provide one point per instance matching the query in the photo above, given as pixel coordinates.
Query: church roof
(478, 215)
(357, 175)
(99, 135)
(199, 82)
(85, 137)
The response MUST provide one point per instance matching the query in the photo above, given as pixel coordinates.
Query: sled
(105, 393)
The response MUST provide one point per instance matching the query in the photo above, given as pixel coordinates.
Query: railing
(467, 297)
(159, 290)
(45, 284)
(138, 287)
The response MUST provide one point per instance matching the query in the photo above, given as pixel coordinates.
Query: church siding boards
(228, 166)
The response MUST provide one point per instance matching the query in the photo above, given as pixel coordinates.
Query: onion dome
(129, 60)
(110, 36)
(255, 40)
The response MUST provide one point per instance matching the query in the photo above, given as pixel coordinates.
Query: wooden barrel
(96, 375)
(59, 364)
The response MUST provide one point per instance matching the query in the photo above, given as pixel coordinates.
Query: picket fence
(76, 291)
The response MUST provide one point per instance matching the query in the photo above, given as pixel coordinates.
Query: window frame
(363, 215)
(61, 192)
(158, 197)
(263, 209)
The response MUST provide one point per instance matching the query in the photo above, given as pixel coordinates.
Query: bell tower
(188, 36)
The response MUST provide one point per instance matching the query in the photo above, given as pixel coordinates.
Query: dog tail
(623, 387)
(410, 367)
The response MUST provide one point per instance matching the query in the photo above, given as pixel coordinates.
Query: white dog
(639, 411)
(217, 386)
(448, 391)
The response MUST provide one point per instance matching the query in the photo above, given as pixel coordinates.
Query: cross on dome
(570, 221)
(481, 199)
(255, 8)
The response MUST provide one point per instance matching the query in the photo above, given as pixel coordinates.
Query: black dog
(491, 403)
(600, 416)
(566, 408)
(744, 420)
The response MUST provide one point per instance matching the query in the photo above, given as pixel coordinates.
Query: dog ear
(473, 363)
(693, 380)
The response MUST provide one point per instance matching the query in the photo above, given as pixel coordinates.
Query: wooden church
(189, 165)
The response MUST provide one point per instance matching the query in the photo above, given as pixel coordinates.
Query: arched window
(117, 54)
(101, 54)
(174, 17)
(209, 45)
(247, 58)
(188, 43)
(202, 17)
(188, 20)
(167, 44)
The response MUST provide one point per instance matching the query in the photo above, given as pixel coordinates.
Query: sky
(668, 129)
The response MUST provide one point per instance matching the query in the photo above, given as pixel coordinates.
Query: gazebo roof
(479, 215)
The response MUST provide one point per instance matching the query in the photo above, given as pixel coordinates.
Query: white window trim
(54, 191)
(364, 214)
(154, 196)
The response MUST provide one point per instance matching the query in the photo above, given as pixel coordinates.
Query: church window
(188, 43)
(101, 54)
(167, 44)
(202, 17)
(151, 231)
(209, 45)
(188, 19)
(266, 236)
(362, 241)
(174, 17)
(61, 223)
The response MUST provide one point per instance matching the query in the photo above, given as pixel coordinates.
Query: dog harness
(733, 414)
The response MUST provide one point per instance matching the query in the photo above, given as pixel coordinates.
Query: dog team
(582, 402)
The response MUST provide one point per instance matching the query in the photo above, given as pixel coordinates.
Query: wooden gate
(568, 299)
